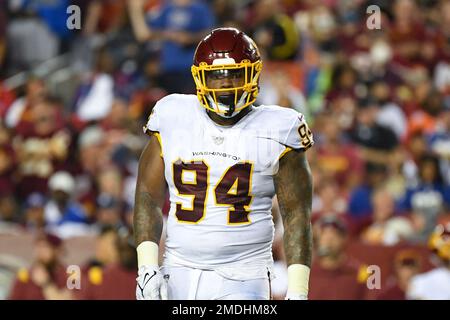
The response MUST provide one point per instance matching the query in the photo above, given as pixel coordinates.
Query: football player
(434, 284)
(222, 160)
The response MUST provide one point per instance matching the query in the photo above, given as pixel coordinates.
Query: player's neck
(228, 121)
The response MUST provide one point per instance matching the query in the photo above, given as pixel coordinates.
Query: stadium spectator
(376, 142)
(390, 114)
(332, 265)
(46, 278)
(8, 212)
(95, 94)
(343, 81)
(225, 12)
(338, 158)
(91, 143)
(424, 120)
(109, 211)
(106, 248)
(329, 201)
(178, 26)
(275, 32)
(116, 281)
(416, 149)
(407, 264)
(106, 254)
(321, 23)
(440, 142)
(20, 109)
(41, 144)
(55, 17)
(360, 204)
(386, 227)
(63, 215)
(34, 212)
(279, 90)
(30, 41)
(430, 194)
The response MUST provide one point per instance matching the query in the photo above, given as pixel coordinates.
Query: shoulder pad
(166, 110)
(290, 127)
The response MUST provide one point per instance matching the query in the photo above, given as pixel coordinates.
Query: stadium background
(73, 102)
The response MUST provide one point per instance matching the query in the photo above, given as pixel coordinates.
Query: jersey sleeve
(153, 122)
(160, 119)
(160, 116)
(298, 135)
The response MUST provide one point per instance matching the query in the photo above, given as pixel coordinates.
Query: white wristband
(298, 279)
(147, 253)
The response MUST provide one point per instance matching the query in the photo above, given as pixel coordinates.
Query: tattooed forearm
(150, 194)
(148, 221)
(293, 185)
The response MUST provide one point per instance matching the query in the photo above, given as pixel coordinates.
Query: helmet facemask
(227, 89)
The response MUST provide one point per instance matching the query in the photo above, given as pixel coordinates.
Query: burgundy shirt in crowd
(25, 289)
(344, 279)
(111, 283)
(393, 292)
(39, 161)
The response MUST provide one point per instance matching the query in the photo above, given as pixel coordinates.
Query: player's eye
(225, 74)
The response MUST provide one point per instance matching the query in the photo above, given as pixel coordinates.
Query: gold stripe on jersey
(284, 152)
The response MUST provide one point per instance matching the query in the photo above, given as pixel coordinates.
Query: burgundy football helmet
(227, 53)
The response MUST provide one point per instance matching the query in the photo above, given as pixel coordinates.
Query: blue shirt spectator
(430, 193)
(192, 17)
(54, 13)
(426, 196)
(360, 204)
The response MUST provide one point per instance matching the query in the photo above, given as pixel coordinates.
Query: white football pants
(195, 284)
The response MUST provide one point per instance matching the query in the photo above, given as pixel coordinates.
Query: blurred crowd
(377, 101)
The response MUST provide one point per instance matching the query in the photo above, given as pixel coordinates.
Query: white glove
(295, 296)
(151, 284)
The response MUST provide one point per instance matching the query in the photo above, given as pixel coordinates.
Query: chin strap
(225, 105)
(227, 100)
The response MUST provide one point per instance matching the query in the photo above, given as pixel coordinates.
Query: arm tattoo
(148, 220)
(293, 185)
(150, 194)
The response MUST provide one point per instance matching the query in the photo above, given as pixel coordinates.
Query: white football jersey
(432, 285)
(220, 180)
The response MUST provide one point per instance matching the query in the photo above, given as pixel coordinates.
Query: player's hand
(150, 284)
(295, 296)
